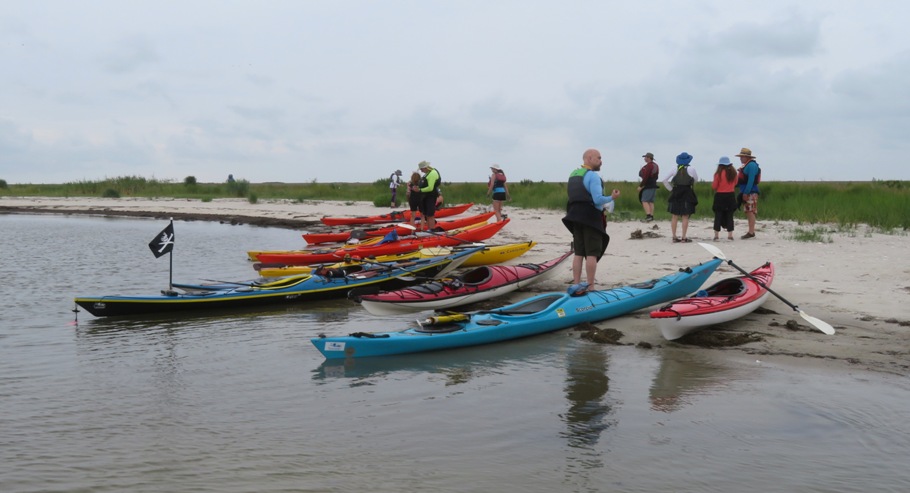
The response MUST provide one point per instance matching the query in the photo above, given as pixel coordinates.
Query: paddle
(413, 277)
(279, 283)
(819, 324)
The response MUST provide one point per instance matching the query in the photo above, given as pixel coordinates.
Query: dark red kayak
(478, 284)
(342, 236)
(393, 217)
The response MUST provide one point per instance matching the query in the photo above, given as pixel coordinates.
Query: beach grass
(882, 204)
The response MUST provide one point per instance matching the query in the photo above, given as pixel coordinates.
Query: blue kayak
(536, 315)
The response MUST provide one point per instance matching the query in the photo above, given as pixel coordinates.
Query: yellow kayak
(492, 254)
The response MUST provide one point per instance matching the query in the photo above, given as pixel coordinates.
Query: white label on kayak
(334, 346)
(560, 312)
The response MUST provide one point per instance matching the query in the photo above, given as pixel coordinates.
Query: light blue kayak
(536, 315)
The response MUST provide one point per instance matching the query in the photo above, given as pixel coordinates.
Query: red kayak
(457, 237)
(481, 283)
(723, 301)
(394, 217)
(339, 237)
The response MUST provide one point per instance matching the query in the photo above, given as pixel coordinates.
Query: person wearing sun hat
(681, 204)
(749, 178)
(395, 183)
(498, 189)
(429, 192)
(724, 186)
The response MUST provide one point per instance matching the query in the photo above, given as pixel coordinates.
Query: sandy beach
(859, 281)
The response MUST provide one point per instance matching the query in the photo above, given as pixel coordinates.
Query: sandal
(676, 240)
(578, 289)
(686, 240)
(748, 235)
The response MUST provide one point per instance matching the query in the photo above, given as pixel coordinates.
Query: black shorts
(500, 196)
(414, 201)
(587, 241)
(427, 205)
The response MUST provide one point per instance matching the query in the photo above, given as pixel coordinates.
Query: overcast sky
(327, 91)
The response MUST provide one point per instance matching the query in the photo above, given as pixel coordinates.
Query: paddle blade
(713, 250)
(406, 226)
(820, 325)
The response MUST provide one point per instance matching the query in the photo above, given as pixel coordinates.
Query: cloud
(129, 55)
(318, 91)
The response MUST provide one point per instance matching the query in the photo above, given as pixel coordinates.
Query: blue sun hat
(684, 159)
(724, 161)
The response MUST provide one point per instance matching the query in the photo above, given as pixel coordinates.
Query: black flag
(164, 242)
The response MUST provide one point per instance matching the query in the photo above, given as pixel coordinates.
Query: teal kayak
(536, 315)
(336, 283)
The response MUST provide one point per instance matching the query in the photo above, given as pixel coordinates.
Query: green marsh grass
(818, 234)
(883, 205)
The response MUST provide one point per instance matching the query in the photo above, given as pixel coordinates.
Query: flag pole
(170, 280)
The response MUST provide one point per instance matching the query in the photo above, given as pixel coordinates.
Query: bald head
(592, 159)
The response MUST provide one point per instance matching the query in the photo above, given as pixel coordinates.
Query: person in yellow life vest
(428, 187)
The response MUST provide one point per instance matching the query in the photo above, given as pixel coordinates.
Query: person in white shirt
(394, 184)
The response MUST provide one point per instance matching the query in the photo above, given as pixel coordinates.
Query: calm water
(242, 402)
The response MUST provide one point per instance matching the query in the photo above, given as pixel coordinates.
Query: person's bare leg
(673, 219)
(685, 226)
(590, 270)
(577, 261)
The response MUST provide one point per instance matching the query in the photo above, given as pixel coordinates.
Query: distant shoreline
(224, 218)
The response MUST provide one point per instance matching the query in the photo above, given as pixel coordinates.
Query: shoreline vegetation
(881, 204)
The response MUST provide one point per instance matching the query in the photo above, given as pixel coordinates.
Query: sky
(350, 91)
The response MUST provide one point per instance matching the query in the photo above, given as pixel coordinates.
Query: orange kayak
(410, 244)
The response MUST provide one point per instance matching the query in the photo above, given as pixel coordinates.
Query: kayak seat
(479, 275)
(438, 329)
(727, 287)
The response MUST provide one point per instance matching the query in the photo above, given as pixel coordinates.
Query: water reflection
(587, 384)
(322, 312)
(458, 366)
(684, 375)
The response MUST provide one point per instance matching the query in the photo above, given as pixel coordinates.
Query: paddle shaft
(414, 275)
